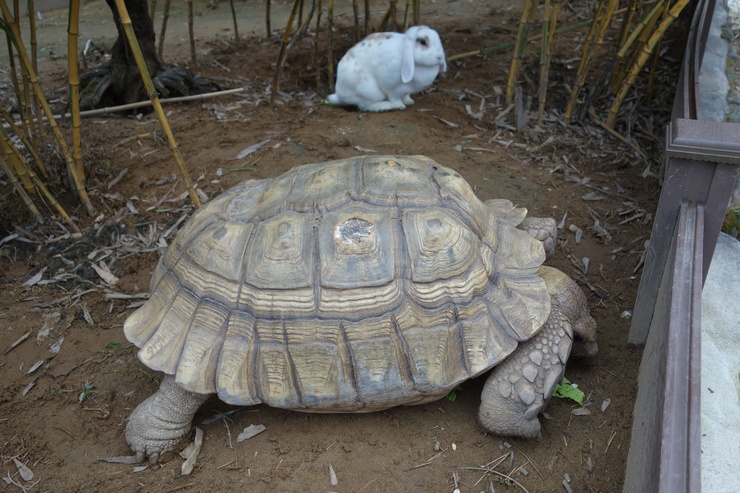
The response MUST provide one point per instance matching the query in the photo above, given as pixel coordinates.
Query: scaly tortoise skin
(353, 286)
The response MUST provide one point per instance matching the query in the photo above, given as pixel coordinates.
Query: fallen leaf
(189, 464)
(249, 150)
(605, 404)
(105, 273)
(332, 476)
(593, 196)
(57, 346)
(581, 411)
(36, 278)
(250, 431)
(363, 149)
(35, 367)
(18, 341)
(23, 470)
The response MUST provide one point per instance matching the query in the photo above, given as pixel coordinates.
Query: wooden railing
(702, 159)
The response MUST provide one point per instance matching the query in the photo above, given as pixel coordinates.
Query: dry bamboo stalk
(34, 63)
(536, 37)
(640, 62)
(25, 125)
(316, 49)
(233, 18)
(29, 146)
(73, 31)
(11, 155)
(267, 18)
(640, 34)
(18, 188)
(191, 35)
(81, 192)
(330, 50)
(367, 17)
(281, 54)
(627, 22)
(39, 186)
(589, 52)
(163, 30)
(549, 25)
(416, 11)
(356, 15)
(525, 23)
(147, 79)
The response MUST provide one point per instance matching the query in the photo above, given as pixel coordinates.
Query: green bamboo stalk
(525, 23)
(71, 166)
(642, 58)
(153, 96)
(73, 31)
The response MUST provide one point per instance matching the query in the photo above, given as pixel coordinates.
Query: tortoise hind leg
(159, 423)
(520, 387)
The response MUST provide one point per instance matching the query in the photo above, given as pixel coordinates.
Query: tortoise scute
(393, 182)
(196, 368)
(220, 249)
(144, 322)
(281, 254)
(163, 349)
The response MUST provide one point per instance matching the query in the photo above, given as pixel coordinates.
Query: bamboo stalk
(642, 58)
(356, 15)
(281, 54)
(147, 79)
(29, 146)
(641, 33)
(416, 11)
(525, 23)
(39, 186)
(233, 18)
(548, 38)
(81, 192)
(536, 37)
(191, 35)
(13, 158)
(330, 49)
(163, 30)
(589, 52)
(152, 8)
(267, 18)
(73, 31)
(367, 17)
(18, 188)
(34, 63)
(10, 38)
(316, 49)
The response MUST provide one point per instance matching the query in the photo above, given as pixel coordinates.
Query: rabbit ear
(407, 60)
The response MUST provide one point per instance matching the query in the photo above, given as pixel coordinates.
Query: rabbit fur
(382, 71)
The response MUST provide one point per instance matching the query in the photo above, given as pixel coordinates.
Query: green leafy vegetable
(566, 390)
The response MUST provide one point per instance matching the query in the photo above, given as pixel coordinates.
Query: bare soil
(71, 411)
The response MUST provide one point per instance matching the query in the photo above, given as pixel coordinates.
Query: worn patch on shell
(391, 163)
(354, 236)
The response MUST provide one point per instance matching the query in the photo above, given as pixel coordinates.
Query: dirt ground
(63, 411)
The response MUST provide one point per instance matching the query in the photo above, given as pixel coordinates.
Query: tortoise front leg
(159, 423)
(520, 387)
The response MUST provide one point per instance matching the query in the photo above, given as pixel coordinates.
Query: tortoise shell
(350, 285)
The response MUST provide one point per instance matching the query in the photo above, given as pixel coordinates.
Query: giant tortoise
(354, 286)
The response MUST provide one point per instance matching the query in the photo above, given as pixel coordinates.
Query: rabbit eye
(421, 41)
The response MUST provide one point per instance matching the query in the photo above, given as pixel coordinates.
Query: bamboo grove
(639, 28)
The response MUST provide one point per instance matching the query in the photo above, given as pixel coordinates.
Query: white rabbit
(382, 71)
